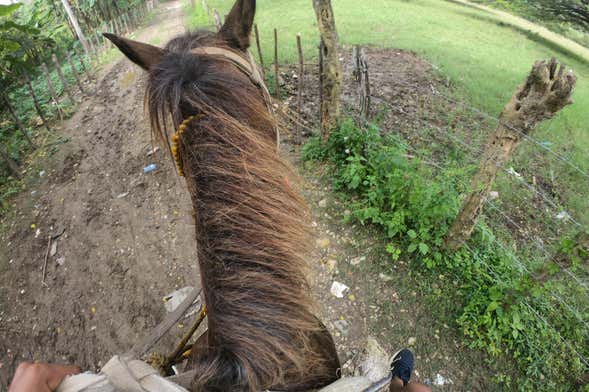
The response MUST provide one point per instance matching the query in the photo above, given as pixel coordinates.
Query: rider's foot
(402, 365)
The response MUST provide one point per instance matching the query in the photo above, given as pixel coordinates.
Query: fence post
(84, 67)
(19, 124)
(299, 137)
(62, 78)
(74, 72)
(332, 69)
(547, 90)
(321, 81)
(12, 165)
(36, 102)
(259, 50)
(276, 81)
(218, 21)
(54, 95)
(364, 86)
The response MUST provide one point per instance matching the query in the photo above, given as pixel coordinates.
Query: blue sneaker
(402, 365)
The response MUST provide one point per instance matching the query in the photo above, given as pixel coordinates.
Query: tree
(575, 12)
(331, 78)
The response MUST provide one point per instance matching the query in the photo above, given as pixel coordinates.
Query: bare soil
(128, 240)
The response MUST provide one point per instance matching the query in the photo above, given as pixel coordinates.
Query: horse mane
(251, 226)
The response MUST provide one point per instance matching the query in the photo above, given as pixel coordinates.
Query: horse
(208, 104)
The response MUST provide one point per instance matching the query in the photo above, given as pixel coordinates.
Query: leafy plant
(498, 305)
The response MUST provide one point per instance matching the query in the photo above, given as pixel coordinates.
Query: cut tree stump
(332, 68)
(546, 91)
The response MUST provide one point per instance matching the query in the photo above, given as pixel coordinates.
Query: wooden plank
(147, 343)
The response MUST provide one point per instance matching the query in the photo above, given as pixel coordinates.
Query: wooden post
(124, 18)
(299, 137)
(332, 69)
(321, 81)
(63, 79)
(84, 67)
(364, 86)
(12, 165)
(18, 123)
(75, 24)
(259, 50)
(276, 75)
(54, 95)
(36, 102)
(218, 21)
(546, 91)
(74, 72)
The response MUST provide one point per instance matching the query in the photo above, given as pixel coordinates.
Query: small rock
(347, 213)
(375, 365)
(42, 173)
(331, 265)
(123, 195)
(441, 380)
(338, 289)
(411, 341)
(53, 250)
(358, 260)
(323, 243)
(494, 195)
(343, 326)
(386, 278)
(60, 261)
(323, 203)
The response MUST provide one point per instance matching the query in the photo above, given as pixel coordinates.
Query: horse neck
(251, 235)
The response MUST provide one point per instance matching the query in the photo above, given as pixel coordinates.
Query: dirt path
(128, 241)
(128, 237)
(534, 28)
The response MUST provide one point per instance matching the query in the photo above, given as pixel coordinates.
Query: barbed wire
(512, 128)
(535, 313)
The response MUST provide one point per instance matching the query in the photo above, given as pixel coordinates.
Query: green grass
(484, 59)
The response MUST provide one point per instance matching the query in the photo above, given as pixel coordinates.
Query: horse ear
(238, 24)
(144, 55)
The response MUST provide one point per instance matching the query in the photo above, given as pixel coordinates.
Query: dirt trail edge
(128, 238)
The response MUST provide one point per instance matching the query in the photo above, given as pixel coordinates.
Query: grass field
(484, 59)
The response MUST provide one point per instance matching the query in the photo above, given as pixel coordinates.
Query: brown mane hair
(251, 224)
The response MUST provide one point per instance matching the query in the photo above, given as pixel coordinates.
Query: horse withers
(209, 105)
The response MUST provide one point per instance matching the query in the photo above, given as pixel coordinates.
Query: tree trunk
(18, 123)
(547, 90)
(332, 68)
(74, 21)
(12, 165)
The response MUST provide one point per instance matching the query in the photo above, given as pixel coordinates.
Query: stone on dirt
(338, 289)
(375, 365)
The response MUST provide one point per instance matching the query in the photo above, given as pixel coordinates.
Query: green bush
(498, 304)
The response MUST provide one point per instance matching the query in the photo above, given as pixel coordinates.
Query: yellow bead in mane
(176, 138)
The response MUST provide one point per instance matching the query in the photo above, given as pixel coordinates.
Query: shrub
(498, 303)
